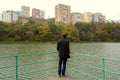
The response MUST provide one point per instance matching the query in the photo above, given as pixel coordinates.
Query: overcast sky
(109, 8)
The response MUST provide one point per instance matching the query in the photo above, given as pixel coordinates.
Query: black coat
(63, 48)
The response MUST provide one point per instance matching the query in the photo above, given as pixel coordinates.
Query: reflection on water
(110, 50)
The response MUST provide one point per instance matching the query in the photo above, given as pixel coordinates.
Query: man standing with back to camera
(64, 51)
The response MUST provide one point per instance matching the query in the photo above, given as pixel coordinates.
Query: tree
(4, 30)
(44, 32)
(53, 28)
(68, 29)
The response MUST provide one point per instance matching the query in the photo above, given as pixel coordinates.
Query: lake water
(109, 50)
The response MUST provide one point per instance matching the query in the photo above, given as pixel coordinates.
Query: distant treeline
(47, 30)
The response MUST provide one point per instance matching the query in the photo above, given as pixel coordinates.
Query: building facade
(62, 13)
(0, 17)
(25, 11)
(76, 17)
(42, 14)
(10, 16)
(36, 13)
(18, 13)
(98, 17)
(87, 17)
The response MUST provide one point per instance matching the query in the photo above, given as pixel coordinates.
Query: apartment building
(98, 17)
(36, 13)
(9, 16)
(0, 17)
(76, 17)
(87, 17)
(18, 13)
(42, 14)
(25, 11)
(62, 13)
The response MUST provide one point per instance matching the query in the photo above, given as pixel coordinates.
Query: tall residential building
(9, 16)
(76, 17)
(0, 17)
(42, 14)
(19, 13)
(87, 17)
(36, 13)
(25, 11)
(99, 17)
(62, 13)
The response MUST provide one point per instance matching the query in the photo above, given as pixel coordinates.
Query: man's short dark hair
(64, 35)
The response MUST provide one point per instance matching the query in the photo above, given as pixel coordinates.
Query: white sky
(109, 8)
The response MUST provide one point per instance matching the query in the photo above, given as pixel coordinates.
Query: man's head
(64, 35)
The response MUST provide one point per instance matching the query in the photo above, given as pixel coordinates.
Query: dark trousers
(62, 66)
